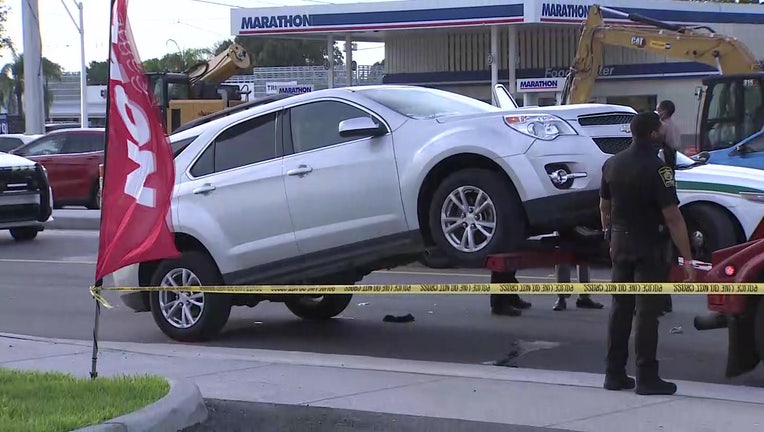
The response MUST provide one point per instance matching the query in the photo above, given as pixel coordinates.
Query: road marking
(38, 261)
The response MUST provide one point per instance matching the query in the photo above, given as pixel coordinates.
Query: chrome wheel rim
(468, 219)
(181, 309)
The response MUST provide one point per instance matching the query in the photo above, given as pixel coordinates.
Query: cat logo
(638, 41)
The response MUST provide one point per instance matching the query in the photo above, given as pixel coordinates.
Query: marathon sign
(268, 22)
(530, 85)
(573, 12)
(294, 90)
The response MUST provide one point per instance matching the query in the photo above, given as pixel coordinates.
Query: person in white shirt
(672, 134)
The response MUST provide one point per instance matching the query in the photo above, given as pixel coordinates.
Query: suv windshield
(425, 103)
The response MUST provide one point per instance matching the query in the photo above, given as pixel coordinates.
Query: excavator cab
(732, 110)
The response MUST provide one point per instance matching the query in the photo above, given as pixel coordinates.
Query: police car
(26, 199)
(722, 204)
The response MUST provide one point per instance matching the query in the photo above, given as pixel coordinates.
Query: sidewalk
(562, 400)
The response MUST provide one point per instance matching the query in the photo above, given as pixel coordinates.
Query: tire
(95, 198)
(321, 308)
(24, 233)
(709, 229)
(215, 309)
(505, 211)
(435, 259)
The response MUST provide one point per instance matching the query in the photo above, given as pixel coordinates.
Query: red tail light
(728, 304)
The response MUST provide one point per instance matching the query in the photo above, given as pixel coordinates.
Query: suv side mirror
(361, 127)
(741, 149)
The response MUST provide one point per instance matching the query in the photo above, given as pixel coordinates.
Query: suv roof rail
(231, 110)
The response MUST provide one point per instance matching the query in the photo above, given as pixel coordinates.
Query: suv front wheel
(183, 315)
(475, 213)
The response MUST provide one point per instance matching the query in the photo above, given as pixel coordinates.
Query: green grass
(50, 402)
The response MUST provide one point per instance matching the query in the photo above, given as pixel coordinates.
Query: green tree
(266, 52)
(98, 73)
(12, 83)
(178, 61)
(5, 41)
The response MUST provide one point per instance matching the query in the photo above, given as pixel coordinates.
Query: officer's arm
(604, 200)
(665, 192)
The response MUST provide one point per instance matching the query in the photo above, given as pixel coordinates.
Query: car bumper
(128, 277)
(560, 212)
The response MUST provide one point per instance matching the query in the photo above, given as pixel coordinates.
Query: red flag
(139, 170)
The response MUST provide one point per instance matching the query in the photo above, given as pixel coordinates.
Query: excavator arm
(698, 44)
(221, 67)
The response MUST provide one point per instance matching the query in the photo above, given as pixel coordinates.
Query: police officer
(671, 144)
(639, 211)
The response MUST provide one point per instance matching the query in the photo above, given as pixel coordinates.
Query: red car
(71, 157)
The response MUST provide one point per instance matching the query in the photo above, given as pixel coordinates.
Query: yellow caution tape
(470, 288)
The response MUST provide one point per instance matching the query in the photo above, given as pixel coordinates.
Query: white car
(26, 199)
(328, 186)
(722, 204)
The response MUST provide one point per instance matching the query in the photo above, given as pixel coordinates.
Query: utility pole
(83, 65)
(34, 106)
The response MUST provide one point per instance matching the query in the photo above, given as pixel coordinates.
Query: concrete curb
(182, 407)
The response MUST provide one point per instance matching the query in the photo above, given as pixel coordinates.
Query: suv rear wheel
(474, 213)
(183, 315)
(318, 308)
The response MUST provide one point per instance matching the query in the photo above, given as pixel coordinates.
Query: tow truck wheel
(24, 233)
(318, 308)
(709, 229)
(475, 213)
(184, 315)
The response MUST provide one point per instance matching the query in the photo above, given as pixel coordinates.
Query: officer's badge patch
(667, 176)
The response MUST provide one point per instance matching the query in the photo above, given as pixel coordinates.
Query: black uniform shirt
(639, 185)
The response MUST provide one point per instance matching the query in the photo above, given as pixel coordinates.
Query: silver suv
(329, 186)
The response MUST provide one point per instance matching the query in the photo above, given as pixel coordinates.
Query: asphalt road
(45, 283)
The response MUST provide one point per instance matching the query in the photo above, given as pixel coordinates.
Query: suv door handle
(301, 170)
(204, 189)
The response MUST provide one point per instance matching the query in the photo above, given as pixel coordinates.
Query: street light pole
(83, 66)
(83, 73)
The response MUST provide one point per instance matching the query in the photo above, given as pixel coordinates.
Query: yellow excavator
(732, 101)
(198, 91)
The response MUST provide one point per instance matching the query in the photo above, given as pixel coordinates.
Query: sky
(159, 27)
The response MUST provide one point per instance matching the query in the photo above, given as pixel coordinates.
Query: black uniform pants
(631, 266)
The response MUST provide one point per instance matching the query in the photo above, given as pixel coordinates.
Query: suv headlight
(542, 126)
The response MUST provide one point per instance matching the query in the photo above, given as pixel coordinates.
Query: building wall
(542, 46)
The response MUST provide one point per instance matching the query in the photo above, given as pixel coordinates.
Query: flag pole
(99, 283)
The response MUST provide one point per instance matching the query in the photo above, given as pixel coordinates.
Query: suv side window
(246, 143)
(53, 144)
(316, 124)
(77, 143)
(94, 142)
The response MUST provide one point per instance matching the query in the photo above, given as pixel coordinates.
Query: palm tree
(12, 83)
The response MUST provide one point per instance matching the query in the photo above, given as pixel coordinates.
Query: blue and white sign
(538, 85)
(275, 22)
(566, 12)
(296, 89)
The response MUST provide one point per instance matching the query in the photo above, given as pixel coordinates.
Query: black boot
(649, 383)
(520, 303)
(506, 310)
(560, 304)
(619, 381)
(586, 302)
